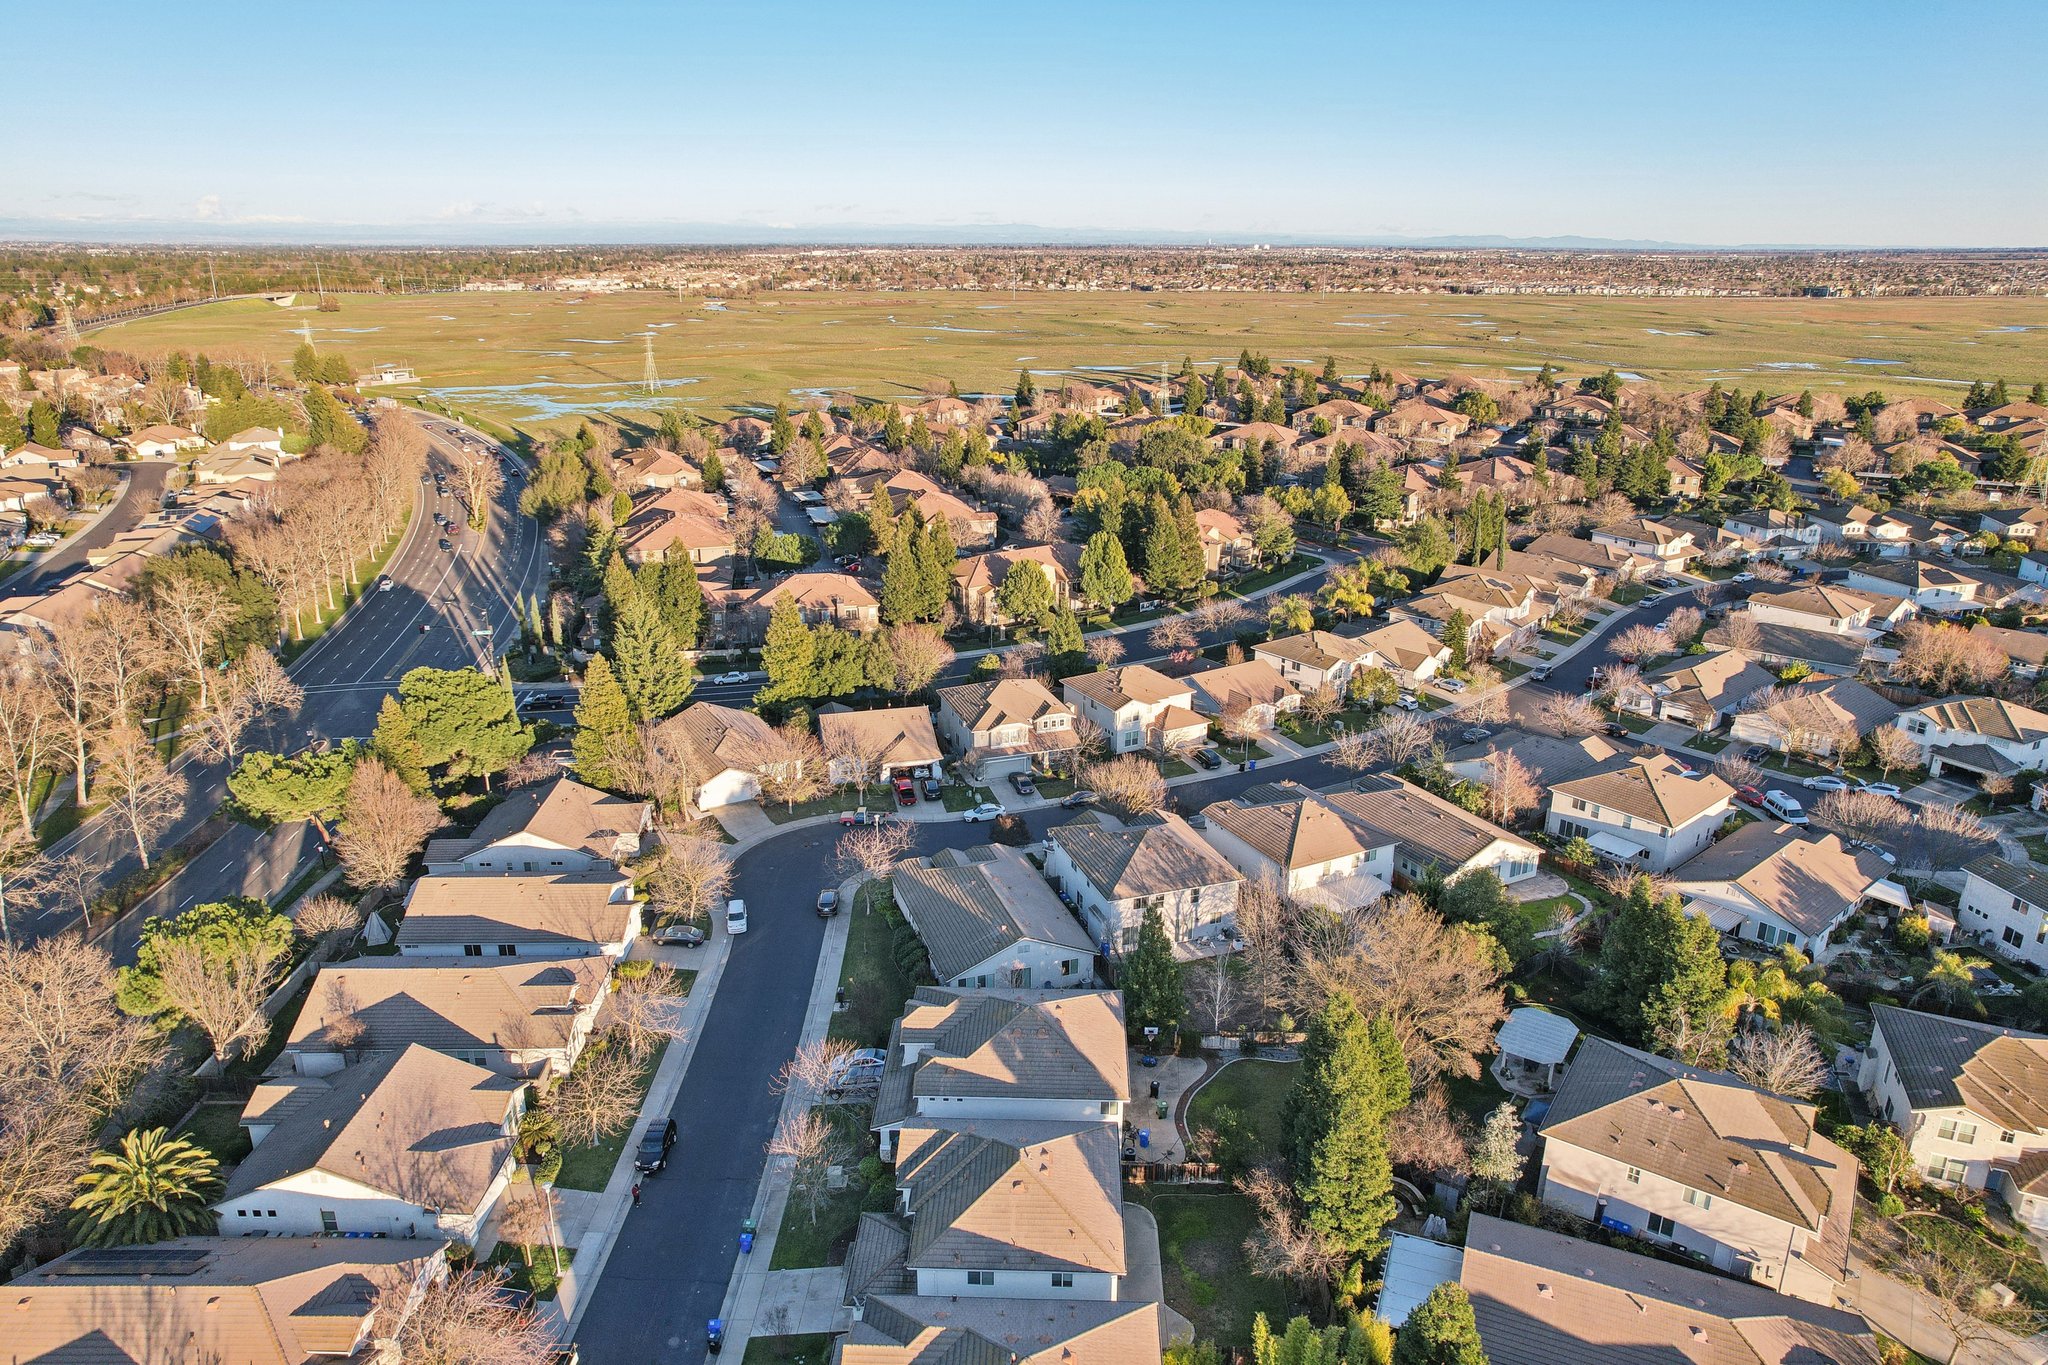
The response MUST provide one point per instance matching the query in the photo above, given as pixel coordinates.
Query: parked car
(654, 1145)
(1078, 799)
(1022, 784)
(863, 816)
(906, 792)
(1826, 782)
(1614, 729)
(739, 677)
(1756, 753)
(1878, 849)
(1406, 701)
(932, 791)
(828, 903)
(987, 810)
(1472, 734)
(1786, 808)
(1880, 789)
(1749, 796)
(679, 936)
(735, 916)
(1209, 758)
(1743, 578)
(859, 1068)
(1541, 673)
(1451, 684)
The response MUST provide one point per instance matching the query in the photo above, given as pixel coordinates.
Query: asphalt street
(346, 675)
(140, 495)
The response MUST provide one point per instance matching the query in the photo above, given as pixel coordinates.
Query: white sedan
(1825, 783)
(987, 810)
(730, 678)
(1880, 789)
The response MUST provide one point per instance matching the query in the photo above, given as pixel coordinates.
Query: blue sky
(1789, 122)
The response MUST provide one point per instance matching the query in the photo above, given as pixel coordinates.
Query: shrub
(1891, 1206)
(633, 969)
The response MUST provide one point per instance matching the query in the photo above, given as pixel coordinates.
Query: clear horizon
(784, 123)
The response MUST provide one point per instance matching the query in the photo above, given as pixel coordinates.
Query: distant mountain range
(175, 232)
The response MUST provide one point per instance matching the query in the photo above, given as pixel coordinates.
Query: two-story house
(1780, 533)
(1428, 831)
(1004, 725)
(906, 488)
(1136, 707)
(988, 919)
(893, 1329)
(977, 579)
(414, 1143)
(2027, 649)
(1817, 607)
(1114, 876)
(821, 599)
(1252, 691)
(1696, 690)
(1319, 658)
(1504, 610)
(1608, 560)
(1982, 736)
(547, 915)
(1970, 1099)
(1703, 1164)
(1303, 846)
(1645, 812)
(2005, 908)
(525, 1019)
(1767, 884)
(1226, 545)
(1668, 546)
(556, 826)
(1004, 1055)
(1931, 587)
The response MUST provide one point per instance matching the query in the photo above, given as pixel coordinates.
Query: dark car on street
(1076, 800)
(654, 1145)
(1614, 729)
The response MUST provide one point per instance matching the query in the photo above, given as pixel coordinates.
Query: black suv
(1023, 783)
(654, 1145)
(1209, 759)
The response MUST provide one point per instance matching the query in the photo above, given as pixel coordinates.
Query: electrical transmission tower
(650, 378)
(69, 323)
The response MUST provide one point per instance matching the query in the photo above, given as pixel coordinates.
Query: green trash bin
(1162, 1109)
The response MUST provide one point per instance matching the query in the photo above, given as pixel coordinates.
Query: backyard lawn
(218, 1128)
(540, 1277)
(1244, 1102)
(1201, 1254)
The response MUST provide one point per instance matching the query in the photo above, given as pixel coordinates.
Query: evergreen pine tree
(1027, 391)
(714, 472)
(885, 528)
(788, 652)
(903, 575)
(781, 431)
(603, 717)
(1063, 641)
(533, 627)
(1105, 576)
(11, 434)
(1441, 1331)
(1024, 595)
(1336, 1116)
(397, 746)
(1999, 396)
(1458, 635)
(895, 436)
(1265, 1350)
(935, 564)
(1151, 981)
(652, 670)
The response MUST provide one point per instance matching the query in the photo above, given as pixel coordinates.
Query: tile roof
(970, 913)
(2025, 646)
(565, 908)
(1827, 707)
(837, 591)
(230, 1300)
(1808, 883)
(974, 1331)
(451, 1004)
(1820, 599)
(988, 569)
(897, 736)
(1774, 640)
(563, 812)
(1707, 1131)
(418, 1125)
(1005, 1044)
(1540, 1297)
(1143, 860)
(2027, 882)
(1943, 1063)
(874, 1263)
(1251, 683)
(1652, 788)
(1428, 828)
(1991, 717)
(1404, 644)
(1030, 1196)
(1558, 545)
(1003, 701)
(1317, 649)
(722, 737)
(1298, 829)
(1712, 681)
(1116, 688)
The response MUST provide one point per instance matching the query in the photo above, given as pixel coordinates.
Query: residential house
(726, 747)
(1577, 409)
(1698, 690)
(33, 458)
(1609, 560)
(1780, 645)
(409, 1144)
(656, 468)
(1337, 413)
(219, 467)
(1252, 691)
(1643, 812)
(280, 1301)
(988, 919)
(1003, 725)
(1505, 610)
(1931, 587)
(2027, 649)
(1004, 1056)
(822, 599)
(677, 522)
(256, 438)
(1815, 718)
(1667, 545)
(1419, 488)
(1428, 831)
(1563, 577)
(1114, 876)
(1421, 420)
(1900, 532)
(2015, 523)
(1137, 707)
(2005, 908)
(1844, 523)
(1688, 477)
(1508, 475)
(1256, 435)
(2011, 415)
(889, 742)
(1703, 1164)
(526, 1019)
(555, 826)
(1226, 545)
(1970, 1099)
(1540, 1297)
(907, 488)
(1302, 845)
(1817, 607)
(1778, 532)
(1318, 658)
(1983, 736)
(1407, 651)
(1768, 884)
(1550, 759)
(164, 442)
(977, 578)
(563, 914)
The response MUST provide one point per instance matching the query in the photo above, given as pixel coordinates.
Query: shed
(1415, 1266)
(1533, 1044)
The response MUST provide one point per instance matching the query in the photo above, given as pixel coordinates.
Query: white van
(1785, 808)
(735, 916)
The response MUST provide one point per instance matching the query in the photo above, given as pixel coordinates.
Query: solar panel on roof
(130, 1261)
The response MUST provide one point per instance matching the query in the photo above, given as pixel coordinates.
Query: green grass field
(538, 358)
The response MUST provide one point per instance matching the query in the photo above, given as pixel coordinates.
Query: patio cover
(1620, 849)
(1415, 1266)
(1537, 1036)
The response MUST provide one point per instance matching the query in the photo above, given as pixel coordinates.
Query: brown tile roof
(1302, 829)
(987, 570)
(1029, 1196)
(1572, 550)
(450, 1005)
(723, 737)
(1653, 789)
(1143, 860)
(1428, 828)
(907, 487)
(1991, 717)
(901, 1330)
(1714, 681)
(1540, 1298)
(1007, 1044)
(565, 908)
(970, 912)
(2025, 646)
(1116, 688)
(899, 736)
(835, 591)
(231, 1300)
(1004, 701)
(416, 1124)
(1317, 649)
(1403, 644)
(1251, 683)
(564, 812)
(1944, 1063)
(2028, 882)
(1219, 526)
(1806, 882)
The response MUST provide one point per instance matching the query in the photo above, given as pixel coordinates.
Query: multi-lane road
(346, 675)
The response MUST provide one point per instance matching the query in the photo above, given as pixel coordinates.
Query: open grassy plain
(537, 359)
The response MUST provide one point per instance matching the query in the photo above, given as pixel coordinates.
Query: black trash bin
(1155, 1090)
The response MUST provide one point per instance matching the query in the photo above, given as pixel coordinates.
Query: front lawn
(1628, 594)
(588, 1168)
(831, 803)
(813, 1348)
(540, 1277)
(958, 796)
(1201, 1254)
(1710, 744)
(872, 976)
(1252, 584)
(1242, 1105)
(803, 1241)
(1309, 735)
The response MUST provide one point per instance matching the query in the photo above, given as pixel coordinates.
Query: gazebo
(1532, 1044)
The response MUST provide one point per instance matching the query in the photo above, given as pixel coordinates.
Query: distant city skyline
(1579, 124)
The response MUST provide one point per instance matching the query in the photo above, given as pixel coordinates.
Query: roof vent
(1699, 1334)
(1544, 1291)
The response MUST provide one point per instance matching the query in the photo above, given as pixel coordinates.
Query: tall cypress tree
(396, 743)
(1105, 575)
(1441, 1331)
(936, 566)
(1153, 996)
(903, 575)
(1343, 1173)
(788, 653)
(652, 671)
(602, 718)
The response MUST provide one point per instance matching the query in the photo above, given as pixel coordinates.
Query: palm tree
(154, 1187)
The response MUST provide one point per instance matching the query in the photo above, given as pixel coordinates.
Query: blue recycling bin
(1144, 1137)
(714, 1335)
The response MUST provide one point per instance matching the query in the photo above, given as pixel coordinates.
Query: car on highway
(987, 810)
(828, 903)
(1208, 758)
(654, 1146)
(1826, 782)
(1786, 808)
(730, 678)
(385, 584)
(735, 916)
(1077, 799)
(447, 544)
(679, 936)
(906, 792)
(1022, 784)
(1749, 796)
(1880, 789)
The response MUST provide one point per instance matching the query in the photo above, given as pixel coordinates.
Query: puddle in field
(536, 400)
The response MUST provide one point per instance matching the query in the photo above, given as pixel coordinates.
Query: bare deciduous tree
(646, 1010)
(384, 823)
(1682, 625)
(1354, 751)
(1129, 784)
(1215, 615)
(28, 725)
(1170, 635)
(600, 1097)
(814, 1068)
(218, 992)
(1785, 1061)
(527, 1219)
(1570, 714)
(1427, 1135)
(1863, 816)
(1696, 1040)
(1892, 748)
(873, 849)
(917, 655)
(140, 793)
(327, 917)
(1640, 642)
(808, 1146)
(689, 874)
(1511, 790)
(789, 763)
(1320, 705)
(190, 615)
(1946, 658)
(1946, 836)
(1104, 651)
(464, 1319)
(482, 481)
(1401, 737)
(1284, 1247)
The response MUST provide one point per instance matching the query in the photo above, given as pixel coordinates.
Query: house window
(1068, 966)
(472, 950)
(508, 950)
(985, 1278)
(1955, 1130)
(328, 1222)
(1635, 1175)
(1699, 1199)
(2007, 1135)
(1020, 976)
(1949, 1170)
(1578, 803)
(2013, 937)
(1660, 1226)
